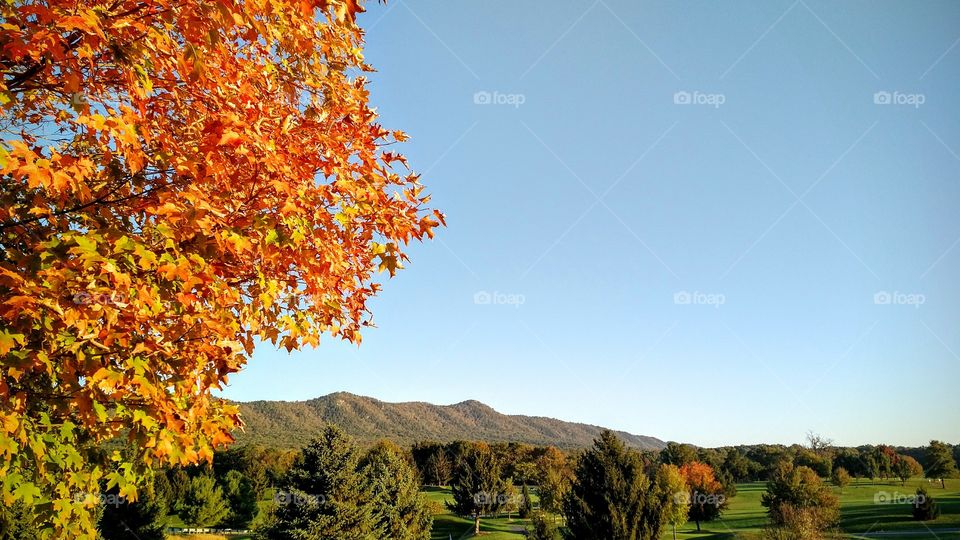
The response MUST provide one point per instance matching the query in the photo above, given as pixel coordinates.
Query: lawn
(861, 517)
(447, 525)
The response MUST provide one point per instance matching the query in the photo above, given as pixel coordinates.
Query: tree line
(334, 488)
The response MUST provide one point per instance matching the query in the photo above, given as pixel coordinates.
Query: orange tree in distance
(180, 179)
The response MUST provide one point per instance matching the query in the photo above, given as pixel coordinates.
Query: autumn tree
(674, 484)
(905, 468)
(797, 498)
(840, 478)
(180, 180)
(705, 496)
(940, 464)
(554, 476)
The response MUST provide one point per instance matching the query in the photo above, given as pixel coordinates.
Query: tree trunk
(476, 525)
(674, 531)
(698, 525)
(943, 484)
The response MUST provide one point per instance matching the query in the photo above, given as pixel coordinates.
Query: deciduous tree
(797, 495)
(677, 509)
(554, 476)
(940, 463)
(179, 180)
(840, 478)
(905, 468)
(706, 497)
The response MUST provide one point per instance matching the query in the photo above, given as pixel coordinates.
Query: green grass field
(861, 517)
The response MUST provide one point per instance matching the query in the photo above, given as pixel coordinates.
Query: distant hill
(291, 424)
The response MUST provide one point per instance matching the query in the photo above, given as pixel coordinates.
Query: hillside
(290, 424)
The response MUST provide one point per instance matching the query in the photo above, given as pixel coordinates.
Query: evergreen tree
(526, 505)
(940, 463)
(241, 498)
(322, 496)
(17, 522)
(203, 504)
(400, 510)
(678, 454)
(612, 498)
(143, 519)
(477, 485)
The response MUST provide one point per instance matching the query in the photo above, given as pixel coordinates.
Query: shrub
(925, 508)
(542, 527)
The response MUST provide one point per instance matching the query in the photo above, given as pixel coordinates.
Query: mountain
(291, 424)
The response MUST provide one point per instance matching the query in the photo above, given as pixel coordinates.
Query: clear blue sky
(784, 199)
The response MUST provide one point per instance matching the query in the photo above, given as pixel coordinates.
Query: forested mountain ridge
(291, 424)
